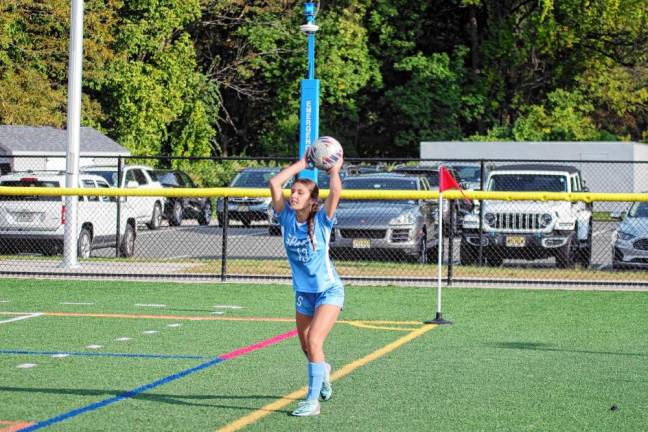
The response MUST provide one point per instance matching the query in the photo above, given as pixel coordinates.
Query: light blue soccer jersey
(312, 271)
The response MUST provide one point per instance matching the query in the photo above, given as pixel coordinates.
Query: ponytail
(311, 224)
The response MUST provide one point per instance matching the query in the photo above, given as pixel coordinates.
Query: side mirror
(132, 184)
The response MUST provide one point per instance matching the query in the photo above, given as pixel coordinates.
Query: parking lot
(193, 241)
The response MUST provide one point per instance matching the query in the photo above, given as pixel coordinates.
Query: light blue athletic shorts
(306, 302)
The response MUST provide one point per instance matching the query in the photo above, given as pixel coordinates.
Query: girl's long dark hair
(314, 198)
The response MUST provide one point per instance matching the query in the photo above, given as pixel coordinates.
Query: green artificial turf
(513, 360)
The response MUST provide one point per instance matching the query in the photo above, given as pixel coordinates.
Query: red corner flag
(447, 181)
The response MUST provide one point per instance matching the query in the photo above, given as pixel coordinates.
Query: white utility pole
(73, 134)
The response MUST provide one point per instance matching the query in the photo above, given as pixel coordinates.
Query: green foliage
(431, 104)
(197, 78)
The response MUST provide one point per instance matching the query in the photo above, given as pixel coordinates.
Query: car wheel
(204, 218)
(494, 260)
(176, 214)
(468, 255)
(565, 257)
(84, 244)
(127, 247)
(584, 257)
(423, 257)
(156, 218)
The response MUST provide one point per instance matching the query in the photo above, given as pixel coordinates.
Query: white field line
(151, 305)
(22, 317)
(76, 304)
(228, 307)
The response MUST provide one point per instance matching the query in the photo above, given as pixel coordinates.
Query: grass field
(217, 357)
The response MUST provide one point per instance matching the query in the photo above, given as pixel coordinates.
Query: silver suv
(32, 223)
(386, 227)
(147, 209)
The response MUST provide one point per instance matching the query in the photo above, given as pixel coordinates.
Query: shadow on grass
(158, 398)
(535, 346)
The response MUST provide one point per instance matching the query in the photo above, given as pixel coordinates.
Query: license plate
(361, 243)
(515, 241)
(23, 217)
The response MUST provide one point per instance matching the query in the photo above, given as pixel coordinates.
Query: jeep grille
(517, 222)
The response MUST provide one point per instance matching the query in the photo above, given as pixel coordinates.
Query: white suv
(531, 229)
(147, 209)
(33, 223)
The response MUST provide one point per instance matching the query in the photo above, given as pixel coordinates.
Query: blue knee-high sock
(316, 373)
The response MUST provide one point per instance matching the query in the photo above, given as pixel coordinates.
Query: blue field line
(126, 395)
(98, 354)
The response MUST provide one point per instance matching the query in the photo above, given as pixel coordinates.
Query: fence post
(480, 260)
(225, 222)
(451, 240)
(120, 163)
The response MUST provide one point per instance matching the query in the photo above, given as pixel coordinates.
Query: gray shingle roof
(39, 139)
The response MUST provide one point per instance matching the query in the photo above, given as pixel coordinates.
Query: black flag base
(438, 320)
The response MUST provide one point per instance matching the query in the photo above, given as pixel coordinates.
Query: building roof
(45, 139)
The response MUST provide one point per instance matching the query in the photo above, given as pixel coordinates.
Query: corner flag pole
(444, 183)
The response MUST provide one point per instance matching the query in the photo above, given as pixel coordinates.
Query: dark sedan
(176, 209)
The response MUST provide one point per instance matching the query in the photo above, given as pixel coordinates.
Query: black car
(176, 209)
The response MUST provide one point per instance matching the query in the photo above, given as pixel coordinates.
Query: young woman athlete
(319, 293)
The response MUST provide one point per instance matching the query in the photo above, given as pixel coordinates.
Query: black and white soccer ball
(325, 152)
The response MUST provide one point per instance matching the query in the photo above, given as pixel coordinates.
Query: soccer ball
(324, 153)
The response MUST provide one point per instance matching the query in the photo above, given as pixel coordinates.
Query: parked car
(363, 169)
(630, 239)
(34, 223)
(386, 226)
(468, 175)
(147, 209)
(531, 230)
(432, 175)
(177, 209)
(248, 209)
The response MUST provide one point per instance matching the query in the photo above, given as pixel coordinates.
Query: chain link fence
(380, 241)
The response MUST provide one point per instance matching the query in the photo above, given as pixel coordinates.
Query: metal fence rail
(391, 241)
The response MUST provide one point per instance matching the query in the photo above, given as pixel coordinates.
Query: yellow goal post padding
(346, 194)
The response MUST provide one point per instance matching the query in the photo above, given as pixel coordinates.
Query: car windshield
(253, 179)
(167, 178)
(468, 173)
(528, 183)
(29, 182)
(639, 210)
(431, 175)
(377, 183)
(109, 176)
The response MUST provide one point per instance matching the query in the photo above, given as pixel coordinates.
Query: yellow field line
(362, 325)
(345, 370)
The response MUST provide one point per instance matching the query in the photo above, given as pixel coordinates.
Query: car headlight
(404, 219)
(545, 220)
(621, 235)
(490, 219)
